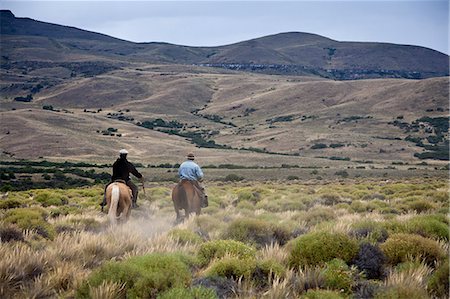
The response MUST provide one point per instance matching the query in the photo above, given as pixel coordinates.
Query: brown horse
(187, 197)
(118, 201)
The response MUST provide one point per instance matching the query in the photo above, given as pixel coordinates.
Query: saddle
(125, 183)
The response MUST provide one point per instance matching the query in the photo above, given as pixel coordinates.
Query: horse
(188, 197)
(118, 202)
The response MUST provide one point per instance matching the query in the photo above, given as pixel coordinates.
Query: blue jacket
(189, 170)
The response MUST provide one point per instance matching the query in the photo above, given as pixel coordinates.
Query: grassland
(333, 238)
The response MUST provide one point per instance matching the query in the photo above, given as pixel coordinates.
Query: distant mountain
(292, 53)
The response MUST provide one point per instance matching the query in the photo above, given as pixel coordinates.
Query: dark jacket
(122, 169)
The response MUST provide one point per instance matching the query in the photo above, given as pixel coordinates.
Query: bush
(438, 284)
(191, 293)
(10, 233)
(338, 276)
(224, 287)
(185, 236)
(233, 178)
(320, 247)
(48, 198)
(420, 205)
(267, 270)
(400, 247)
(322, 294)
(317, 215)
(220, 248)
(10, 203)
(370, 260)
(143, 276)
(369, 230)
(32, 219)
(256, 232)
(428, 226)
(401, 291)
(232, 267)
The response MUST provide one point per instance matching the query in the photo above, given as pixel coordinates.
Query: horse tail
(112, 213)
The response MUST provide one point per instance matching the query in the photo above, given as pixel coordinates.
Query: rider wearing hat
(189, 170)
(121, 172)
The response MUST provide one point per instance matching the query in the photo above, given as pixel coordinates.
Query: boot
(205, 201)
(103, 203)
(134, 205)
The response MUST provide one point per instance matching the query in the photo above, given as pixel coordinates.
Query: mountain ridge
(288, 53)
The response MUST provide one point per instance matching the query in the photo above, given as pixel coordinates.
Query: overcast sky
(212, 23)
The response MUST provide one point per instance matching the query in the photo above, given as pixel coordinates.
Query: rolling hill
(71, 94)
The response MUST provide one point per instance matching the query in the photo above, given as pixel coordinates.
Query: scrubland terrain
(347, 238)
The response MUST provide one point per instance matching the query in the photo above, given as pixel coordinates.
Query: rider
(121, 171)
(189, 170)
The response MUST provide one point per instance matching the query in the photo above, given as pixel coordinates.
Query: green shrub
(233, 178)
(369, 230)
(427, 226)
(420, 205)
(320, 247)
(438, 284)
(400, 247)
(317, 215)
(185, 236)
(322, 294)
(191, 293)
(143, 276)
(219, 248)
(49, 198)
(402, 292)
(266, 270)
(339, 276)
(256, 232)
(232, 267)
(10, 204)
(32, 219)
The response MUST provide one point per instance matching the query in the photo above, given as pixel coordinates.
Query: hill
(70, 94)
(292, 53)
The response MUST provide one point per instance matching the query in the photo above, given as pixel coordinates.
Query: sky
(212, 23)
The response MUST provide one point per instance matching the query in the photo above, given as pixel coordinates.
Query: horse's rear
(186, 197)
(118, 199)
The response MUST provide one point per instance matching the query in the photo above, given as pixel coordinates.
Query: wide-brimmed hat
(191, 156)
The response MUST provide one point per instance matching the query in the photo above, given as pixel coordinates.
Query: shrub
(224, 287)
(401, 291)
(399, 247)
(233, 178)
(370, 260)
(420, 205)
(191, 293)
(10, 233)
(219, 248)
(185, 236)
(322, 294)
(428, 226)
(338, 276)
(232, 267)
(143, 276)
(256, 232)
(369, 230)
(48, 198)
(438, 284)
(320, 247)
(32, 219)
(10, 203)
(317, 215)
(266, 270)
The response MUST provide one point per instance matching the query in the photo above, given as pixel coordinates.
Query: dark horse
(187, 197)
(118, 201)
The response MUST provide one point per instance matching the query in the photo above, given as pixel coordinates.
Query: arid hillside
(70, 94)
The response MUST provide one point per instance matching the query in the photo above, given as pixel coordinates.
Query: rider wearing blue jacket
(189, 170)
